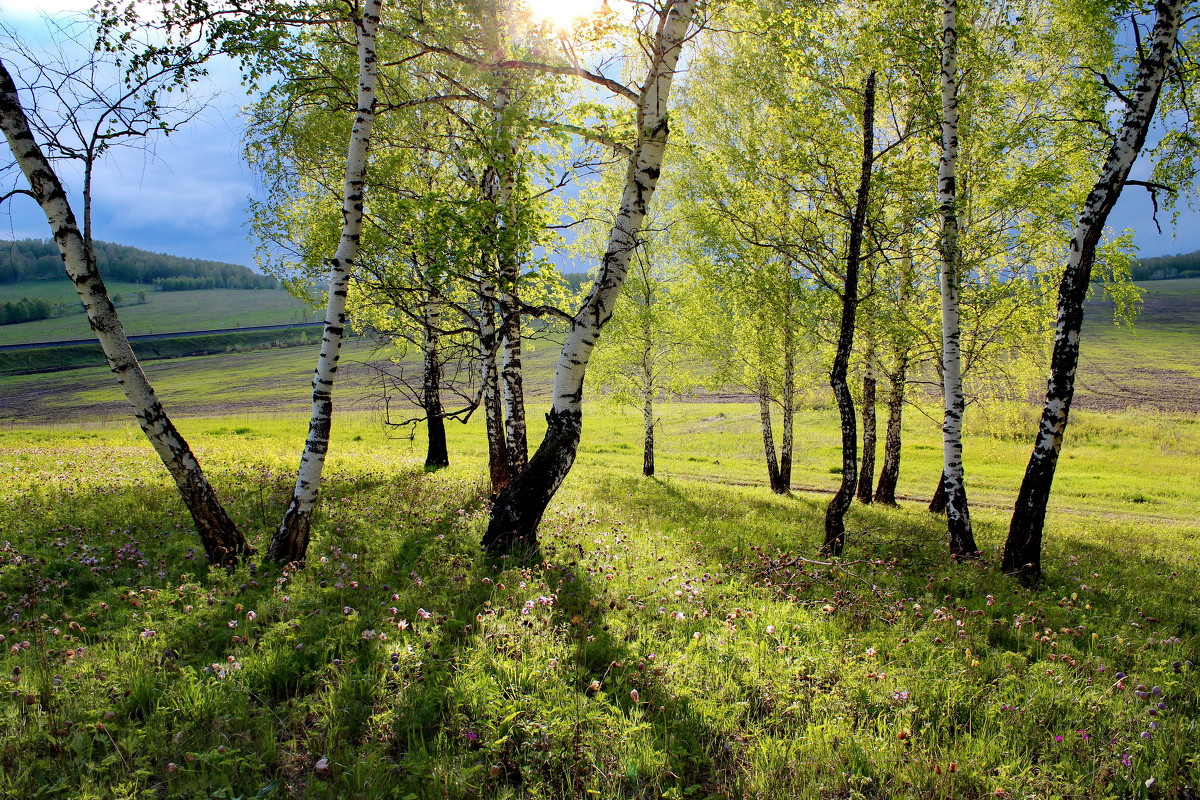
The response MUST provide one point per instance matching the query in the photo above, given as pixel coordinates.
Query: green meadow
(674, 637)
(163, 312)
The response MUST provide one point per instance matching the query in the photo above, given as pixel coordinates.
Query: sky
(190, 196)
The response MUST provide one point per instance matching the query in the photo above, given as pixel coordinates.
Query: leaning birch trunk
(290, 541)
(223, 542)
(1023, 548)
(889, 473)
(518, 509)
(866, 473)
(958, 517)
(835, 512)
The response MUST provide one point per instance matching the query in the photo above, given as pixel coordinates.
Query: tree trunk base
(290, 542)
(937, 504)
(223, 543)
(437, 456)
(518, 508)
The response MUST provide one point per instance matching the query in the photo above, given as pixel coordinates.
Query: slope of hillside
(1156, 364)
(167, 312)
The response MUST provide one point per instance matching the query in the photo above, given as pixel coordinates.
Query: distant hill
(1160, 268)
(34, 259)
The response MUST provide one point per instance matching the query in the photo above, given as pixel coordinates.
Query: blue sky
(189, 197)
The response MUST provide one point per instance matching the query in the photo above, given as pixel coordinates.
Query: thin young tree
(835, 511)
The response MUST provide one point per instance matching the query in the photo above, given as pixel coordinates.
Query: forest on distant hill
(1185, 265)
(34, 259)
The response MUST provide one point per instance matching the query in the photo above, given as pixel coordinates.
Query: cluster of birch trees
(888, 193)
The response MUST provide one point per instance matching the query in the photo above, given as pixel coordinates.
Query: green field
(163, 312)
(676, 637)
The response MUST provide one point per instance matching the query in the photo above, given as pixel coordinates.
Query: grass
(675, 637)
(52, 359)
(668, 641)
(163, 312)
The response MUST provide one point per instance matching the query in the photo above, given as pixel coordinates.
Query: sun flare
(563, 14)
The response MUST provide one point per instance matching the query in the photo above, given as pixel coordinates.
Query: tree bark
(937, 503)
(835, 512)
(789, 406)
(493, 408)
(223, 543)
(889, 473)
(437, 455)
(648, 437)
(958, 517)
(866, 472)
(512, 381)
(1023, 548)
(518, 509)
(290, 542)
(774, 476)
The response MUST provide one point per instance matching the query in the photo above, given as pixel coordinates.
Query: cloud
(36, 8)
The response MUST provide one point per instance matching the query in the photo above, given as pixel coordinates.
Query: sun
(563, 14)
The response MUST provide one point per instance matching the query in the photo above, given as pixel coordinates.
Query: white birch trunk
(519, 508)
(962, 542)
(223, 542)
(291, 538)
(489, 382)
(1022, 550)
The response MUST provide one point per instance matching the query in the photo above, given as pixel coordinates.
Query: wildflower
(770, 630)
(633, 695)
(1058, 738)
(991, 601)
(347, 610)
(594, 686)
(147, 633)
(1126, 759)
(423, 614)
(251, 616)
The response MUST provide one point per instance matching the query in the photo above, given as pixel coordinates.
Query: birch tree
(290, 541)
(640, 359)
(962, 541)
(132, 111)
(835, 512)
(1022, 549)
(518, 509)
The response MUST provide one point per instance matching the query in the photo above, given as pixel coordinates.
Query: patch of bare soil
(1097, 390)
